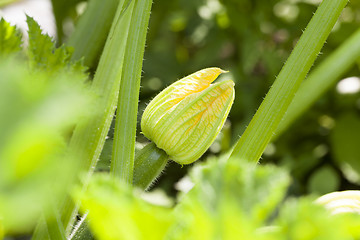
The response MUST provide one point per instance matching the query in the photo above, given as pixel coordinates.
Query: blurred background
(252, 39)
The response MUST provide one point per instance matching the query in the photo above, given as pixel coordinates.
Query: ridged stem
(122, 161)
(91, 31)
(321, 79)
(262, 127)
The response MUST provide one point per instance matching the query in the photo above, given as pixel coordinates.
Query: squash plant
(56, 118)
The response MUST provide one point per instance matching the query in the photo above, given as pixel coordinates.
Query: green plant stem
(91, 31)
(61, 9)
(81, 230)
(54, 225)
(89, 135)
(149, 163)
(122, 162)
(50, 224)
(258, 134)
(321, 79)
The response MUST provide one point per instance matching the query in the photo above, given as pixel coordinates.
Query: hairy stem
(258, 134)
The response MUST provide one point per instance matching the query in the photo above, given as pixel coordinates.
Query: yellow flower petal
(186, 117)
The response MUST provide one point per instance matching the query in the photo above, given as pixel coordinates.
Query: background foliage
(250, 38)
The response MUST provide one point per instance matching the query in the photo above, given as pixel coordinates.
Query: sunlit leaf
(42, 51)
(38, 114)
(230, 192)
(304, 220)
(115, 212)
(10, 38)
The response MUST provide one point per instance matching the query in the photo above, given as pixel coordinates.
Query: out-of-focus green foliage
(39, 106)
(317, 184)
(228, 195)
(230, 200)
(6, 2)
(302, 219)
(344, 145)
(116, 213)
(63, 9)
(1, 230)
(251, 39)
(43, 97)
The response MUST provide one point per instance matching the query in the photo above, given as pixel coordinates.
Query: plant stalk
(263, 125)
(321, 79)
(91, 31)
(122, 162)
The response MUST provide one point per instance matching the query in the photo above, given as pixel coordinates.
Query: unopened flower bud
(185, 118)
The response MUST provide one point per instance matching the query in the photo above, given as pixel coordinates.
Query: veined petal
(194, 124)
(173, 94)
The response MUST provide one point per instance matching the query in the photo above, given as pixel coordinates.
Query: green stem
(50, 225)
(61, 11)
(266, 120)
(81, 230)
(54, 225)
(321, 79)
(149, 163)
(122, 162)
(91, 31)
(89, 136)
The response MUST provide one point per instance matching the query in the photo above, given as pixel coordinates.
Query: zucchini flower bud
(185, 118)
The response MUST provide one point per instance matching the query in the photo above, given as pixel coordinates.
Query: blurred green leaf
(229, 200)
(10, 38)
(6, 2)
(304, 220)
(40, 109)
(38, 115)
(344, 142)
(115, 212)
(1, 230)
(324, 180)
(62, 10)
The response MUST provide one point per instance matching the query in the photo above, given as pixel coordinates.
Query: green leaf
(115, 212)
(44, 55)
(324, 180)
(230, 199)
(38, 114)
(10, 38)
